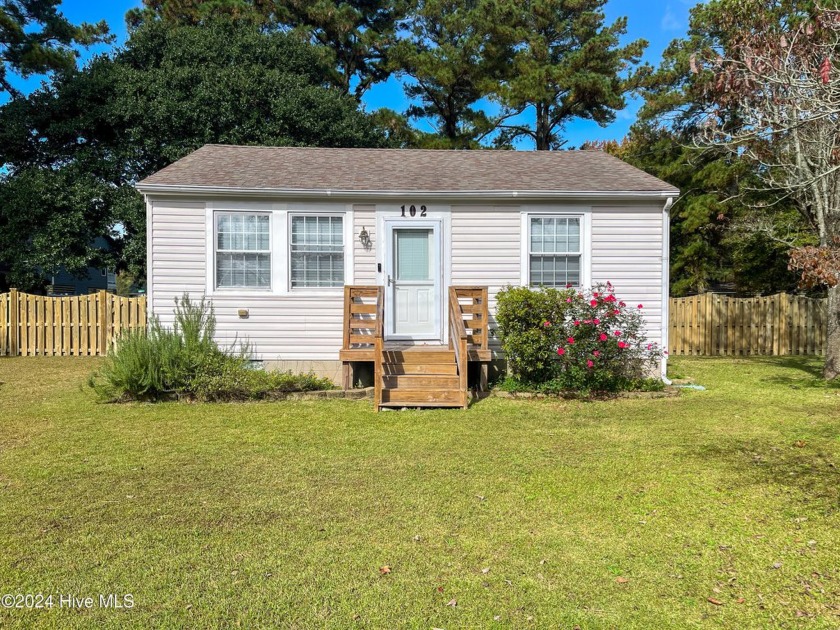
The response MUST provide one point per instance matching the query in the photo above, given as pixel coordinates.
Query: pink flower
(609, 284)
(640, 306)
(622, 345)
(587, 321)
(571, 339)
(616, 312)
(568, 285)
(622, 304)
(568, 299)
(546, 324)
(597, 353)
(589, 363)
(596, 321)
(609, 298)
(617, 333)
(593, 303)
(649, 346)
(595, 294)
(577, 322)
(603, 337)
(561, 351)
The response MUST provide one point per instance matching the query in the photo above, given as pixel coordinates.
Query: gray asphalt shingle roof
(382, 170)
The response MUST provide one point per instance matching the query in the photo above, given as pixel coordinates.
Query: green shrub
(530, 346)
(562, 341)
(158, 362)
(185, 361)
(228, 378)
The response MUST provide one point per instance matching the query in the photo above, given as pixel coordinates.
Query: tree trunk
(542, 130)
(832, 344)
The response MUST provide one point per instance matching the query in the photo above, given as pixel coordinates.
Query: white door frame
(436, 225)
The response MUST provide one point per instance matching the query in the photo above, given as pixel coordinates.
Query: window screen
(555, 251)
(243, 250)
(317, 251)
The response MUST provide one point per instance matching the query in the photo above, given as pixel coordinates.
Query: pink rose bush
(595, 341)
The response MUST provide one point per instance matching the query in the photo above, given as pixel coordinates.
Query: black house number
(412, 211)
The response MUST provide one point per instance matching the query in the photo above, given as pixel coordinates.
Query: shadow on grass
(805, 371)
(798, 466)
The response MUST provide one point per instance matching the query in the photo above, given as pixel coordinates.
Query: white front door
(413, 278)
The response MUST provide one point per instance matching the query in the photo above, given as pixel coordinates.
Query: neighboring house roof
(323, 170)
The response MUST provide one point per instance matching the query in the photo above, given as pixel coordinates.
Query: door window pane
(413, 254)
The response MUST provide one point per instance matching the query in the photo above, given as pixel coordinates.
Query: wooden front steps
(417, 375)
(420, 376)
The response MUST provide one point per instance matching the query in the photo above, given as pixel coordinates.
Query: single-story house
(332, 260)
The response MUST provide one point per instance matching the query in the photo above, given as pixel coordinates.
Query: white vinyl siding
(365, 257)
(555, 250)
(624, 247)
(627, 251)
(177, 261)
(243, 250)
(486, 250)
(316, 251)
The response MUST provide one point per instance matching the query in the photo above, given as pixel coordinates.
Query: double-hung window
(317, 251)
(554, 251)
(243, 250)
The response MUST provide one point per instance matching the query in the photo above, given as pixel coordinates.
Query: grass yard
(715, 509)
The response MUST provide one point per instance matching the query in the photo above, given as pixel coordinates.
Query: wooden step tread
(431, 369)
(425, 357)
(420, 381)
(421, 397)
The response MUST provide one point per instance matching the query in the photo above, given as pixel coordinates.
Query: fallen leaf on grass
(621, 580)
(740, 600)
(800, 443)
(384, 570)
(452, 602)
(485, 570)
(714, 601)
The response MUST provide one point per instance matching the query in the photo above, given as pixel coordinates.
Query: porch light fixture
(364, 238)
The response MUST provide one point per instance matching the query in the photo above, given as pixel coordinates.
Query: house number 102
(412, 211)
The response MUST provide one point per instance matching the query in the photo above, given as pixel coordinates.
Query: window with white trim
(554, 251)
(243, 250)
(316, 251)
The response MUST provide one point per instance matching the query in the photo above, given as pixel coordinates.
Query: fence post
(14, 314)
(101, 322)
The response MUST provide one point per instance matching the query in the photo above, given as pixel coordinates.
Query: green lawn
(616, 514)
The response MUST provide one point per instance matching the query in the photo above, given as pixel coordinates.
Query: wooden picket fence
(717, 325)
(80, 325)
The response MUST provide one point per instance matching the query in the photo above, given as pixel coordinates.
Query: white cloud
(670, 21)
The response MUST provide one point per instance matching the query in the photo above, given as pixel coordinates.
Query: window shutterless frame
(292, 215)
(583, 217)
(216, 251)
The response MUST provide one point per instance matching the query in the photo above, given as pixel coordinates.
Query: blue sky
(658, 21)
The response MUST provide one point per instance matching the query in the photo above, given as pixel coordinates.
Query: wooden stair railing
(363, 311)
(379, 335)
(458, 342)
(474, 311)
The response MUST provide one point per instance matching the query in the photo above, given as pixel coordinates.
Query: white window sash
(584, 229)
(217, 250)
(312, 249)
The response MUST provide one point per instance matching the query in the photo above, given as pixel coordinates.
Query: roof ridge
(412, 150)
